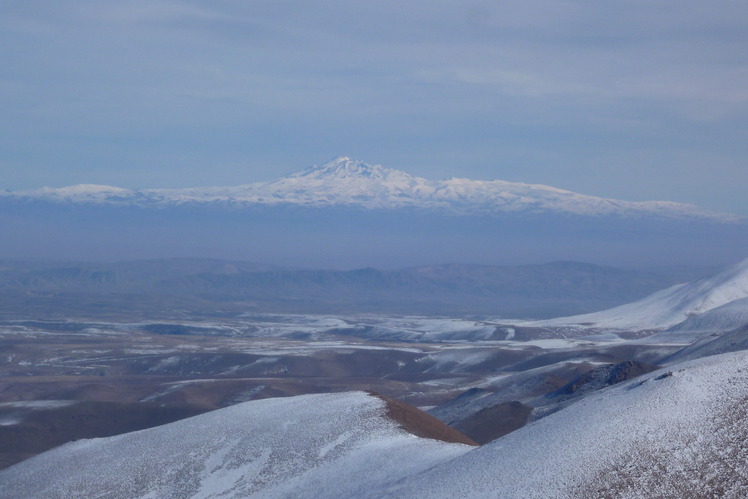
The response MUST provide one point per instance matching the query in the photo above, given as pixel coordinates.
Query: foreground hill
(679, 433)
(333, 445)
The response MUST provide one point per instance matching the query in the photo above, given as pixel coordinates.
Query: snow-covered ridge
(676, 433)
(347, 182)
(670, 306)
(724, 318)
(667, 434)
(329, 445)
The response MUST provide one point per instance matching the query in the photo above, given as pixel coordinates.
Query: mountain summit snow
(344, 167)
(350, 183)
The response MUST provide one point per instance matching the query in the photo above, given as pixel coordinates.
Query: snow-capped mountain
(676, 433)
(670, 306)
(347, 182)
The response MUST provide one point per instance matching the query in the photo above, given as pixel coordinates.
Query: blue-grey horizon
(635, 100)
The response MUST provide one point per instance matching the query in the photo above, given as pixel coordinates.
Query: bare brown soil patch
(420, 424)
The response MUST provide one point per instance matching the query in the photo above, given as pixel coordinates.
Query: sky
(637, 100)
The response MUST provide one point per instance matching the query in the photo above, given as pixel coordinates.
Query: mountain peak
(344, 167)
(349, 182)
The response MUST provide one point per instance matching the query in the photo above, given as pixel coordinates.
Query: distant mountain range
(348, 214)
(545, 290)
(347, 182)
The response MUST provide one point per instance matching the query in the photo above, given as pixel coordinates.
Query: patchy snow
(423, 329)
(149, 350)
(370, 327)
(172, 387)
(457, 359)
(553, 343)
(37, 404)
(165, 363)
(10, 419)
(521, 386)
(676, 433)
(13, 413)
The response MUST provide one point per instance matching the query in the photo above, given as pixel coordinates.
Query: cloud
(509, 84)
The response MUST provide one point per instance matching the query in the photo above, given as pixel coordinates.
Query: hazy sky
(630, 99)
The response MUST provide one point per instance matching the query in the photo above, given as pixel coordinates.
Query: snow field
(668, 307)
(656, 436)
(331, 445)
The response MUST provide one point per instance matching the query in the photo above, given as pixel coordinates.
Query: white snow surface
(724, 318)
(667, 307)
(680, 433)
(408, 328)
(347, 182)
(331, 445)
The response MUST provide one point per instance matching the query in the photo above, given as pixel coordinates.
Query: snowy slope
(346, 182)
(333, 445)
(714, 344)
(681, 435)
(724, 318)
(670, 306)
